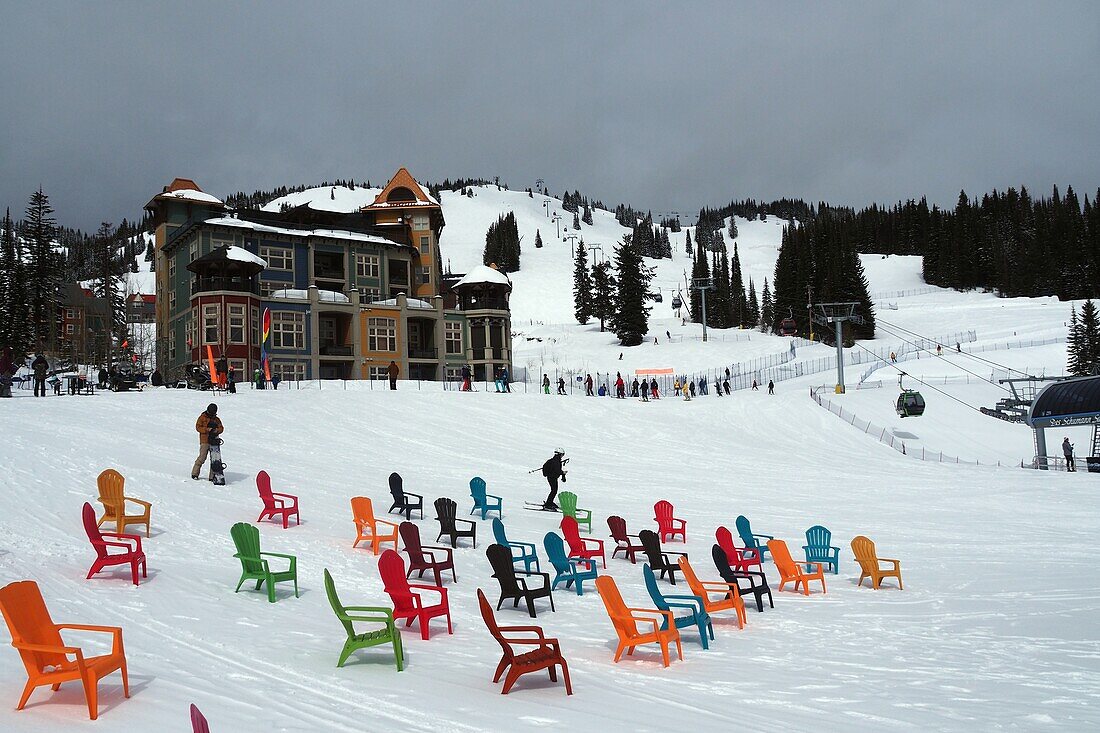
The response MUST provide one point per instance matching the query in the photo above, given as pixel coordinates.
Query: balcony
(334, 350)
(233, 284)
(328, 273)
(419, 352)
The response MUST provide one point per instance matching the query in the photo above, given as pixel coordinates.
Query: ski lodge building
(347, 292)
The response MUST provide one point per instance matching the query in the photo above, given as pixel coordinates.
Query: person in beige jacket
(208, 424)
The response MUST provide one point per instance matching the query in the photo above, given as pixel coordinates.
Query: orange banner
(655, 371)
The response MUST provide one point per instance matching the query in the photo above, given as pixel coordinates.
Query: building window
(453, 373)
(369, 295)
(236, 324)
(221, 241)
(193, 250)
(70, 314)
(423, 275)
(453, 334)
(379, 372)
(366, 266)
(381, 334)
(288, 330)
(210, 324)
(237, 365)
(420, 222)
(69, 329)
(425, 244)
(190, 328)
(255, 326)
(267, 287)
(172, 351)
(278, 258)
(171, 301)
(171, 270)
(288, 371)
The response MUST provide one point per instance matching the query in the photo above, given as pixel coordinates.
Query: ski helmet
(559, 451)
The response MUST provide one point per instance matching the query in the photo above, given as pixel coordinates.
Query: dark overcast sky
(668, 106)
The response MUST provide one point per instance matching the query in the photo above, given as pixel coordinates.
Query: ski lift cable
(963, 353)
(919, 348)
(902, 372)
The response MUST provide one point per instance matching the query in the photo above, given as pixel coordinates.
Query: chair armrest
(51, 649)
(765, 536)
(682, 522)
(537, 630)
(494, 496)
(512, 543)
(545, 579)
(115, 631)
(418, 496)
(440, 590)
(277, 554)
(145, 504)
(586, 540)
(432, 549)
(694, 602)
(897, 563)
(665, 556)
(465, 521)
(372, 609)
(383, 521)
(132, 537)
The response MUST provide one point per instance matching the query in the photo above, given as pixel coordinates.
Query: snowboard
(217, 467)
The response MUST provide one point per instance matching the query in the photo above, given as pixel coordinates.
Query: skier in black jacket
(40, 367)
(553, 470)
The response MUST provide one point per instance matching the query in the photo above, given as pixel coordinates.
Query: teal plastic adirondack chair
(819, 549)
(254, 566)
(368, 614)
(521, 551)
(568, 568)
(482, 501)
(567, 500)
(759, 542)
(697, 616)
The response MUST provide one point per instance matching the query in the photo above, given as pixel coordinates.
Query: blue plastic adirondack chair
(694, 604)
(756, 541)
(521, 551)
(481, 499)
(568, 568)
(819, 549)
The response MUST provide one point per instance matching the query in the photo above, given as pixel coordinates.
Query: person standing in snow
(40, 367)
(669, 335)
(1067, 451)
(717, 388)
(691, 387)
(620, 386)
(504, 379)
(553, 469)
(466, 378)
(645, 391)
(634, 388)
(726, 385)
(588, 386)
(561, 385)
(653, 389)
(755, 386)
(393, 370)
(727, 372)
(676, 387)
(771, 387)
(958, 347)
(258, 378)
(275, 379)
(231, 380)
(208, 426)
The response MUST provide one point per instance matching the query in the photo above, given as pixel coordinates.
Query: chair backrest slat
(111, 490)
(864, 550)
(263, 486)
(362, 508)
(391, 568)
(745, 531)
(477, 490)
(567, 500)
(397, 488)
(818, 536)
(500, 558)
(652, 545)
(445, 510)
(617, 525)
(410, 538)
(247, 540)
(337, 607)
(555, 550)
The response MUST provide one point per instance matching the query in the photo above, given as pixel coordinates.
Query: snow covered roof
(227, 221)
(243, 255)
(191, 194)
(411, 302)
(483, 274)
(300, 294)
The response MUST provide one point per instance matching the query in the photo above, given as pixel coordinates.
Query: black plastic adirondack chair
(757, 581)
(403, 501)
(445, 511)
(513, 586)
(659, 560)
(425, 557)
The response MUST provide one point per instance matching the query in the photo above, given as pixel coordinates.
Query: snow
(327, 198)
(484, 274)
(191, 194)
(303, 294)
(240, 254)
(227, 221)
(410, 302)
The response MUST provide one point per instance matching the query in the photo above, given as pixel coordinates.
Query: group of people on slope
(649, 389)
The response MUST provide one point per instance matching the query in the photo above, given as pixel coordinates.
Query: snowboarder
(561, 385)
(634, 388)
(771, 387)
(653, 389)
(620, 386)
(588, 386)
(208, 426)
(466, 374)
(554, 469)
(545, 384)
(393, 370)
(726, 385)
(1067, 451)
(40, 367)
(275, 379)
(7, 369)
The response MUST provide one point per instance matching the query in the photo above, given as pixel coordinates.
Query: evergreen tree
(538, 239)
(687, 242)
(753, 307)
(1074, 364)
(502, 244)
(632, 293)
(576, 222)
(719, 302)
(108, 278)
(767, 309)
(733, 227)
(603, 293)
(739, 305)
(582, 287)
(700, 270)
(587, 218)
(43, 269)
(14, 326)
(1088, 353)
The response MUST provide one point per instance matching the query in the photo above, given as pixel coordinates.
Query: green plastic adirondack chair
(254, 566)
(369, 614)
(567, 500)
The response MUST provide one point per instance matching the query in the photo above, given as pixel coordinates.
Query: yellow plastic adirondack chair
(870, 564)
(626, 620)
(790, 571)
(111, 484)
(728, 595)
(366, 525)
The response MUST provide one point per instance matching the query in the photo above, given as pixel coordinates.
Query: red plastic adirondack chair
(582, 547)
(623, 542)
(408, 603)
(668, 526)
(198, 721)
(131, 555)
(276, 503)
(739, 558)
(546, 653)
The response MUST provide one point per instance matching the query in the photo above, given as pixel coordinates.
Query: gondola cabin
(788, 327)
(910, 404)
(676, 302)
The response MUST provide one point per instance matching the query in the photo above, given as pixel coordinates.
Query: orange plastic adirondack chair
(870, 563)
(728, 595)
(546, 653)
(626, 620)
(790, 571)
(111, 484)
(668, 526)
(45, 654)
(366, 525)
(586, 548)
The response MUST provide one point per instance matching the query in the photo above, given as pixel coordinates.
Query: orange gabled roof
(182, 184)
(402, 179)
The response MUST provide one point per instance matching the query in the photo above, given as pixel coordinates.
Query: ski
(536, 507)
